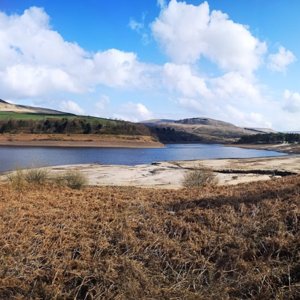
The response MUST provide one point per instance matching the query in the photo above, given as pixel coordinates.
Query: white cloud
(35, 60)
(292, 102)
(31, 81)
(37, 63)
(188, 32)
(279, 61)
(180, 78)
(235, 86)
(72, 107)
(133, 112)
(161, 3)
(230, 97)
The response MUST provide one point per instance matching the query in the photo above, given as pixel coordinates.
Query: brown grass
(237, 242)
(72, 179)
(199, 177)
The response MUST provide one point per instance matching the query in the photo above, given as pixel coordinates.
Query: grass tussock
(73, 179)
(199, 177)
(238, 242)
(36, 176)
(17, 179)
(21, 179)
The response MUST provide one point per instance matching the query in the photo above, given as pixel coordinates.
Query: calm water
(17, 157)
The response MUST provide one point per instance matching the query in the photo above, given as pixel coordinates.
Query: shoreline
(170, 175)
(78, 141)
(284, 148)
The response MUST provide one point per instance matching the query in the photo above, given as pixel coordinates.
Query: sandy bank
(171, 174)
(78, 140)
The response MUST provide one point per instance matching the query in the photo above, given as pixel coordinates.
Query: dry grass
(237, 242)
(36, 176)
(22, 179)
(199, 177)
(72, 179)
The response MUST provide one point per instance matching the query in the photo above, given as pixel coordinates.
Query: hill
(197, 130)
(14, 108)
(237, 242)
(35, 120)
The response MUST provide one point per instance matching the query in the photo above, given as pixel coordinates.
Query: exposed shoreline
(285, 148)
(170, 175)
(78, 141)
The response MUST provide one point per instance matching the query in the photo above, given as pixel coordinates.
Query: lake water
(22, 157)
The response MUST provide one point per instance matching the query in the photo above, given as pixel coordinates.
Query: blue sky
(231, 60)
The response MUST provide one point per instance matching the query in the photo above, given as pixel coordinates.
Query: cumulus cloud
(133, 112)
(279, 61)
(72, 107)
(180, 78)
(291, 102)
(229, 97)
(35, 60)
(187, 32)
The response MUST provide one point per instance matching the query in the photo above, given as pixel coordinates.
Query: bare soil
(78, 140)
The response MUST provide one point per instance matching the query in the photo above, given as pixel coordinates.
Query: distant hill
(9, 107)
(27, 119)
(204, 130)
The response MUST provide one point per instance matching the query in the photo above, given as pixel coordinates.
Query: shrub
(72, 179)
(199, 177)
(17, 179)
(36, 176)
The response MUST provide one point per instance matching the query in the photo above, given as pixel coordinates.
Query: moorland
(224, 242)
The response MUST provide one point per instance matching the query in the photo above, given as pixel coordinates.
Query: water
(22, 157)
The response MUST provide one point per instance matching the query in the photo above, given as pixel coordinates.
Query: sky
(232, 60)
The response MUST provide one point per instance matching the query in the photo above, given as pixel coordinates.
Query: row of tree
(74, 125)
(270, 138)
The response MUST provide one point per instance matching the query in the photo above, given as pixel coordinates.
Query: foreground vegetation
(237, 242)
(26, 179)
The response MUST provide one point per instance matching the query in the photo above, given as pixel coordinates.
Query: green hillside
(13, 122)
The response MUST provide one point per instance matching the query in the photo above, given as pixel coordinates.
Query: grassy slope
(32, 116)
(125, 243)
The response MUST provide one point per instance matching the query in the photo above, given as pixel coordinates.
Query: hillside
(197, 130)
(237, 242)
(16, 119)
(8, 107)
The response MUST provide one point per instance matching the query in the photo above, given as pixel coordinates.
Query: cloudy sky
(236, 61)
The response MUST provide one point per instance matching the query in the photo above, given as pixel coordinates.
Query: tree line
(270, 138)
(75, 126)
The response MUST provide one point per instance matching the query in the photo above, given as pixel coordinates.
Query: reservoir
(23, 157)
